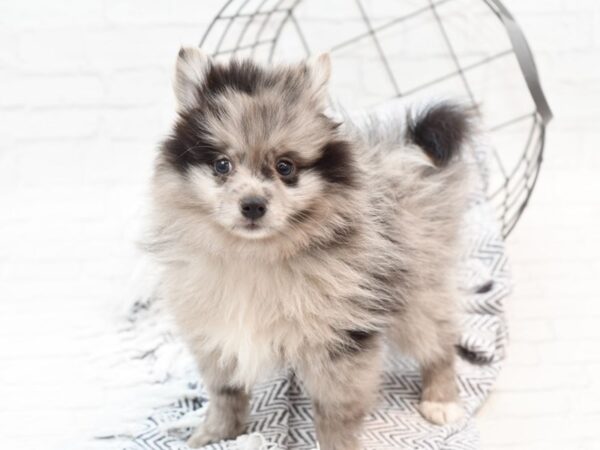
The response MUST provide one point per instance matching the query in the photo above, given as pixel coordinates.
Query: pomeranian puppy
(289, 240)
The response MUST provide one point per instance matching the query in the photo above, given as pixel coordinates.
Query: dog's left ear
(320, 71)
(190, 70)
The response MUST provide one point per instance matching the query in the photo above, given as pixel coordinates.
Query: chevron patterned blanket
(281, 419)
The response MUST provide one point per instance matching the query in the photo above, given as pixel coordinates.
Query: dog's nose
(253, 207)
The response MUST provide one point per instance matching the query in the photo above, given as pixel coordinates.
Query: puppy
(288, 240)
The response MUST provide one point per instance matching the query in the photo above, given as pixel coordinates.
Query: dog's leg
(426, 330)
(227, 407)
(343, 387)
(439, 399)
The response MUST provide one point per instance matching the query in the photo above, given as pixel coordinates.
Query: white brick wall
(85, 96)
(547, 396)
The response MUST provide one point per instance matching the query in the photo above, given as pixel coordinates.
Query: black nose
(253, 207)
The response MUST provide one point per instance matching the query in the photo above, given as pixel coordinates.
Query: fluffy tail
(441, 130)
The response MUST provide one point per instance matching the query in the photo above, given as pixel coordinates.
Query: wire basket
(411, 48)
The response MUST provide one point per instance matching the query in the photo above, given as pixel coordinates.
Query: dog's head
(252, 153)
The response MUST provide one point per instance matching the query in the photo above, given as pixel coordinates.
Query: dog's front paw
(441, 413)
(204, 435)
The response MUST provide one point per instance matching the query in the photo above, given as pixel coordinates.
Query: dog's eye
(222, 166)
(284, 167)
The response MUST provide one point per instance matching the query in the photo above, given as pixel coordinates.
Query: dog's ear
(320, 71)
(190, 70)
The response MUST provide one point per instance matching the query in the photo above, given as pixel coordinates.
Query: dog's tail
(441, 130)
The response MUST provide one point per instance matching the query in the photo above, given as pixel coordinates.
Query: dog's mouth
(251, 229)
(252, 226)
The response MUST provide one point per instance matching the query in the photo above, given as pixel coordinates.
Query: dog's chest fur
(259, 316)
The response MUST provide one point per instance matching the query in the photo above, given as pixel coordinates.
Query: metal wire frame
(510, 198)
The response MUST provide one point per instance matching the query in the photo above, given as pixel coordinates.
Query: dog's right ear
(190, 70)
(320, 72)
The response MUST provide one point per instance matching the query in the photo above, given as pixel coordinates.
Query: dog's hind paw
(441, 413)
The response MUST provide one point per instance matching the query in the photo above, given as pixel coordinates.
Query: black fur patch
(440, 131)
(189, 143)
(487, 287)
(353, 342)
(336, 164)
(243, 76)
(229, 391)
(360, 338)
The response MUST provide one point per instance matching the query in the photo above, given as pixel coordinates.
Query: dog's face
(253, 150)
